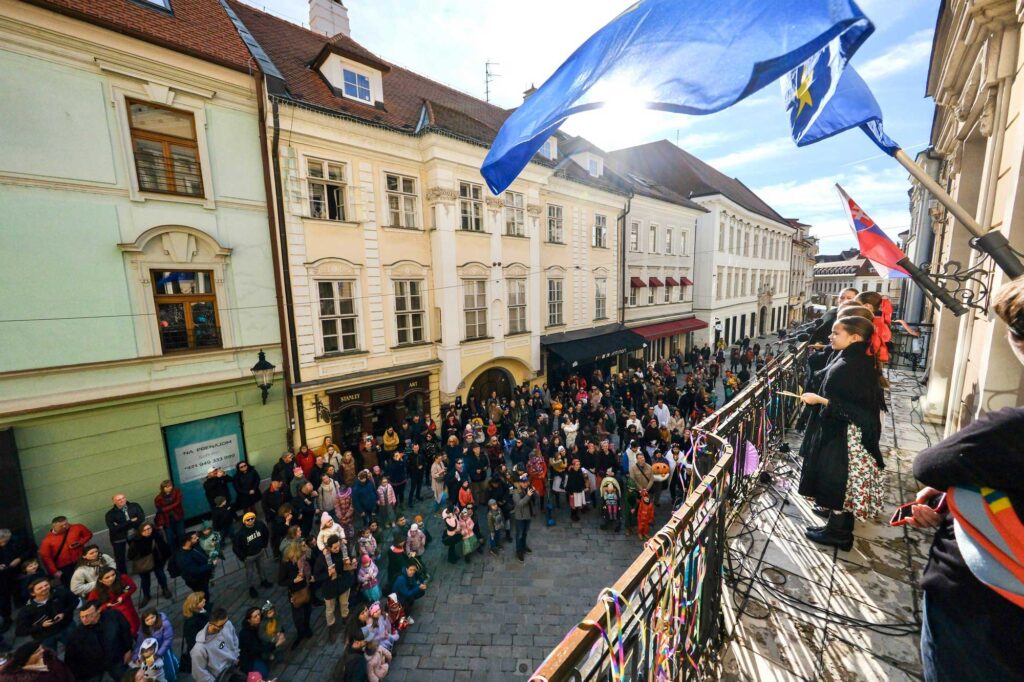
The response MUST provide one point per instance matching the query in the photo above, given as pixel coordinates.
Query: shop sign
(196, 446)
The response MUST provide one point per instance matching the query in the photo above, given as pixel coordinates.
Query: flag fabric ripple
(874, 244)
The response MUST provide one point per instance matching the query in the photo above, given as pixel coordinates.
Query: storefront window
(414, 404)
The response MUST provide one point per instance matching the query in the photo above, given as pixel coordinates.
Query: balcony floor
(772, 636)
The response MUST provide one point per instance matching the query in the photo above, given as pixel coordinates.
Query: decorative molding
(495, 203)
(179, 243)
(474, 270)
(406, 269)
(534, 209)
(333, 267)
(516, 270)
(154, 86)
(441, 195)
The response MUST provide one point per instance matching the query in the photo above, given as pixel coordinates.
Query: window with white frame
(601, 231)
(634, 236)
(471, 206)
(684, 240)
(401, 193)
(721, 236)
(555, 234)
(475, 307)
(668, 293)
(326, 189)
(515, 225)
(600, 298)
(652, 239)
(718, 284)
(555, 301)
(632, 296)
(594, 167)
(668, 240)
(338, 317)
(682, 289)
(409, 310)
(650, 295)
(357, 85)
(516, 305)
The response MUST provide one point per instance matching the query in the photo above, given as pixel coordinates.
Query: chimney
(328, 17)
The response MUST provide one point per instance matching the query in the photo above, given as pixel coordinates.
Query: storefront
(372, 408)
(586, 350)
(668, 338)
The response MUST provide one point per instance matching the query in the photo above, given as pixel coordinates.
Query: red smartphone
(905, 512)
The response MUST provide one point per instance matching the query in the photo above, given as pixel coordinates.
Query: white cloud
(904, 55)
(758, 152)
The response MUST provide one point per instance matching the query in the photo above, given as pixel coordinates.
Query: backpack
(172, 566)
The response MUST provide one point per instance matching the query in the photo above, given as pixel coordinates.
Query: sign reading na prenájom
(195, 459)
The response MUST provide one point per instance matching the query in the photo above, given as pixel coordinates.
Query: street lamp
(263, 373)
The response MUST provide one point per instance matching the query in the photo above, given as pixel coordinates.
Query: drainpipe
(279, 253)
(622, 258)
(282, 322)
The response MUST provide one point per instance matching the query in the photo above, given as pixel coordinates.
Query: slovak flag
(874, 244)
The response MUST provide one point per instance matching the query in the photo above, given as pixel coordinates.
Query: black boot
(820, 511)
(838, 532)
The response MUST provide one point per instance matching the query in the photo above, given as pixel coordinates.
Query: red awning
(660, 331)
(655, 282)
(686, 282)
(636, 282)
(671, 282)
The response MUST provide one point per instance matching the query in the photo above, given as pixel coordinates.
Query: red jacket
(306, 461)
(77, 537)
(168, 510)
(121, 601)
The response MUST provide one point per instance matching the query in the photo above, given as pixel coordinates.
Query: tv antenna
(488, 77)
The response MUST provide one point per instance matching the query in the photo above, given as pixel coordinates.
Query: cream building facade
(978, 135)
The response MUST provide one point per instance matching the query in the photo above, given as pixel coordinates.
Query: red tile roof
(199, 28)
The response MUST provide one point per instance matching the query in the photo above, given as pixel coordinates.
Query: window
(516, 306)
(356, 85)
(668, 294)
(338, 315)
(471, 205)
(718, 284)
(878, 287)
(475, 305)
(515, 226)
(601, 231)
(652, 236)
(682, 290)
(401, 192)
(162, 4)
(554, 302)
(632, 296)
(545, 150)
(409, 310)
(684, 239)
(634, 236)
(326, 189)
(600, 298)
(186, 310)
(668, 240)
(650, 295)
(165, 148)
(555, 224)
(594, 167)
(721, 236)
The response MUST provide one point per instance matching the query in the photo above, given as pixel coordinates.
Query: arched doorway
(494, 380)
(763, 316)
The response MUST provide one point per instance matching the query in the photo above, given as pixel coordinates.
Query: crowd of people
(337, 527)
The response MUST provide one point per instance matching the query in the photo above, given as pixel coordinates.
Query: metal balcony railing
(661, 620)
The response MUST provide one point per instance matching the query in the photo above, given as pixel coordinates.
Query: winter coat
(91, 650)
(407, 589)
(56, 551)
(390, 441)
(144, 546)
(521, 505)
(119, 525)
(343, 506)
(56, 671)
(642, 475)
(367, 576)
(217, 486)
(251, 648)
(416, 541)
(121, 600)
(243, 483)
(83, 580)
(193, 564)
(332, 588)
(213, 653)
(248, 542)
(163, 634)
(398, 472)
(327, 497)
(348, 469)
(378, 665)
(854, 396)
(386, 495)
(168, 508)
(364, 496)
(306, 460)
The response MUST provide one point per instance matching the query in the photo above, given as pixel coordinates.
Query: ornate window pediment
(516, 270)
(474, 270)
(176, 244)
(406, 269)
(332, 267)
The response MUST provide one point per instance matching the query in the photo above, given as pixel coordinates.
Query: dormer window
(357, 85)
(594, 167)
(549, 150)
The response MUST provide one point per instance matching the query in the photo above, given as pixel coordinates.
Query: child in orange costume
(644, 515)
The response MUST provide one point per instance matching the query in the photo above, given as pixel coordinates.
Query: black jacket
(251, 648)
(31, 617)
(824, 328)
(154, 544)
(342, 582)
(243, 483)
(249, 542)
(92, 650)
(851, 385)
(217, 486)
(193, 564)
(119, 525)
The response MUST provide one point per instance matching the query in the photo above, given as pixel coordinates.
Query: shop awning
(663, 329)
(584, 346)
(686, 282)
(636, 282)
(655, 282)
(671, 282)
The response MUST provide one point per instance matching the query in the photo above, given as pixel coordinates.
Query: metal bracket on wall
(957, 281)
(323, 413)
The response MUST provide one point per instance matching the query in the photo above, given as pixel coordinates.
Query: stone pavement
(780, 629)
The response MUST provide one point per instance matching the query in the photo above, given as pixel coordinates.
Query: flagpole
(992, 242)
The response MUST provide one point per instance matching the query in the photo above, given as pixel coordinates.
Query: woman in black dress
(842, 461)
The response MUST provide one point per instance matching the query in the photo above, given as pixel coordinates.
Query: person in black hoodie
(249, 543)
(247, 487)
(13, 553)
(284, 471)
(850, 394)
(100, 643)
(969, 631)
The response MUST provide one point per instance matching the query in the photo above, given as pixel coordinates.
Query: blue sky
(450, 40)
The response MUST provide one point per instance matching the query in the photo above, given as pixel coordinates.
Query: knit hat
(205, 524)
(247, 516)
(267, 607)
(414, 526)
(492, 502)
(324, 519)
(366, 560)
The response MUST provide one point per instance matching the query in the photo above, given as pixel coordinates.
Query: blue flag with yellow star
(825, 96)
(687, 56)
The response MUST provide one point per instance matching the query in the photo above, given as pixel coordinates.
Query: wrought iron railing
(661, 620)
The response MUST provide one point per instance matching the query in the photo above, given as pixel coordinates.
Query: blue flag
(687, 56)
(825, 96)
